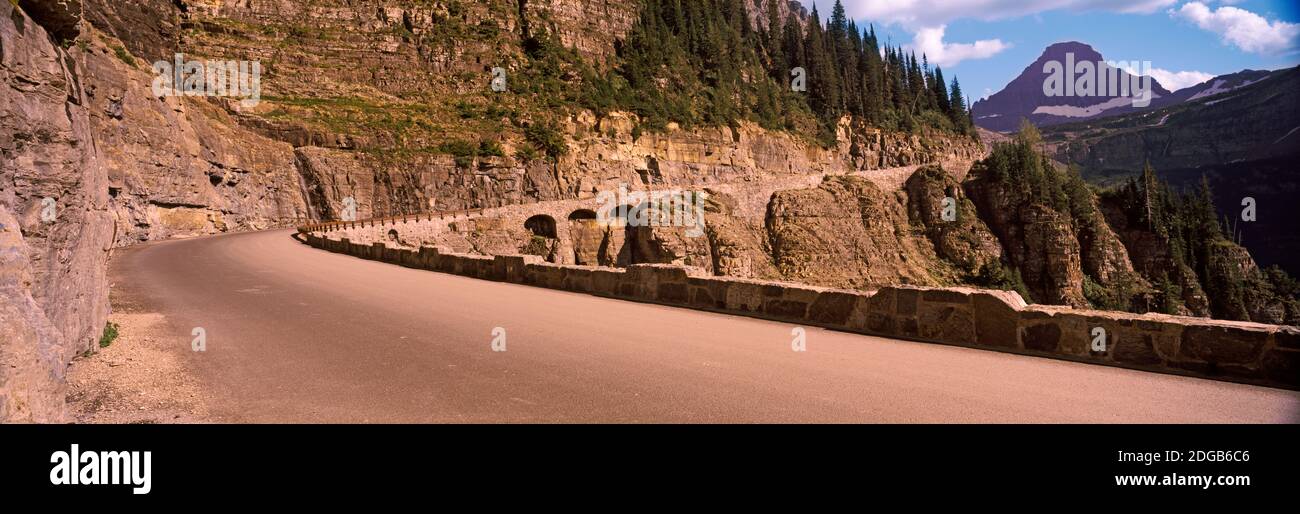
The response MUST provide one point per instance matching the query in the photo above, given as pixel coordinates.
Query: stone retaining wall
(1223, 350)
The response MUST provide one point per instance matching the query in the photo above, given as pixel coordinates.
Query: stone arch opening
(543, 239)
(629, 217)
(622, 213)
(582, 214)
(541, 225)
(588, 236)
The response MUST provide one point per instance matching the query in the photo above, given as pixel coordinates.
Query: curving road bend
(296, 334)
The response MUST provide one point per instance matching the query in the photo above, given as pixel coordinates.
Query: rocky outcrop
(59, 18)
(1048, 256)
(1239, 290)
(847, 233)
(1038, 241)
(591, 27)
(962, 238)
(55, 226)
(738, 246)
(1104, 256)
(149, 29)
(32, 350)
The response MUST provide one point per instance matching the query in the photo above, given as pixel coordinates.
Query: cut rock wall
(53, 253)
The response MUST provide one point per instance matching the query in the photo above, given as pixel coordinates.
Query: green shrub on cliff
(490, 148)
(1030, 177)
(548, 138)
(527, 153)
(999, 275)
(123, 55)
(109, 335)
(462, 151)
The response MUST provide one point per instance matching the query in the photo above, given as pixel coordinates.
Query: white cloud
(1171, 80)
(1241, 28)
(1175, 80)
(929, 42)
(931, 13)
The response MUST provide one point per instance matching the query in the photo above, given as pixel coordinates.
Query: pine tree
(1149, 198)
(774, 29)
(843, 57)
(941, 92)
(915, 84)
(824, 87)
(855, 99)
(959, 114)
(876, 94)
(898, 74)
(792, 45)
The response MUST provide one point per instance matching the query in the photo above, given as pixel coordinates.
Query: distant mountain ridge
(1024, 97)
(1218, 124)
(1221, 84)
(1240, 131)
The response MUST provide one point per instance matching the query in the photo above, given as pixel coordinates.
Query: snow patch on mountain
(1218, 88)
(1070, 111)
(1212, 90)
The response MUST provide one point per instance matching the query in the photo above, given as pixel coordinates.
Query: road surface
(297, 334)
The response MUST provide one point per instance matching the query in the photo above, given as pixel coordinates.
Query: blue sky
(986, 43)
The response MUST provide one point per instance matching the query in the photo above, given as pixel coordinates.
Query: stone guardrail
(330, 226)
(987, 319)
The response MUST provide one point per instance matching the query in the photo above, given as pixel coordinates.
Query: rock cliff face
(327, 130)
(590, 27)
(963, 239)
(1038, 240)
(181, 166)
(55, 225)
(847, 232)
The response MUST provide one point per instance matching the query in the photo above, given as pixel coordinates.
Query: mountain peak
(1069, 46)
(1058, 51)
(1028, 95)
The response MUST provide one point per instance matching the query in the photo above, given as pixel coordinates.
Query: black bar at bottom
(325, 462)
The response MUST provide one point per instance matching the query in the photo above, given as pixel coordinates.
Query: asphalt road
(296, 334)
